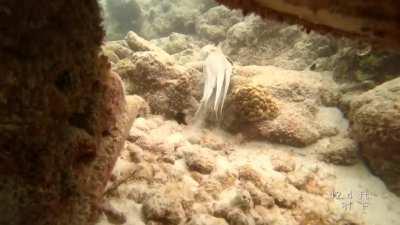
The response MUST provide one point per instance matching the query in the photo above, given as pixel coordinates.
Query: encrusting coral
(253, 103)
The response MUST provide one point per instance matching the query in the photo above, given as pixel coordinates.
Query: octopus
(217, 70)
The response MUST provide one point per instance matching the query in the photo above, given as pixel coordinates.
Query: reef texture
(375, 124)
(280, 106)
(377, 21)
(63, 116)
(214, 23)
(254, 104)
(252, 40)
(163, 18)
(153, 74)
(201, 186)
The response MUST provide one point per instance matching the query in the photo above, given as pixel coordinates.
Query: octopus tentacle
(217, 71)
(228, 74)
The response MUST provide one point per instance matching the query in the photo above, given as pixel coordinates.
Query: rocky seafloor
(175, 174)
(307, 122)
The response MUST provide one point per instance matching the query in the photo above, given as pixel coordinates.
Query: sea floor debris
(173, 179)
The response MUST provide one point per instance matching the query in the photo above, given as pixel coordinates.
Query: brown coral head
(253, 103)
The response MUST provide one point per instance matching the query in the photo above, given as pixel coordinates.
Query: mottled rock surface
(153, 74)
(214, 23)
(375, 124)
(204, 219)
(288, 113)
(199, 161)
(63, 114)
(341, 151)
(378, 27)
(163, 209)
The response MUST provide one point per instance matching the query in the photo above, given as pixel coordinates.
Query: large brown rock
(166, 86)
(375, 124)
(376, 21)
(288, 114)
(63, 116)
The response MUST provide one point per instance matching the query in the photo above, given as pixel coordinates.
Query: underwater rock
(237, 217)
(258, 197)
(310, 180)
(175, 43)
(284, 165)
(289, 128)
(139, 44)
(199, 209)
(284, 194)
(111, 55)
(141, 124)
(375, 125)
(243, 200)
(380, 21)
(212, 141)
(288, 113)
(135, 152)
(152, 222)
(122, 16)
(262, 216)
(212, 187)
(163, 18)
(113, 215)
(64, 118)
(340, 151)
(363, 65)
(248, 173)
(142, 106)
(143, 172)
(205, 219)
(147, 142)
(214, 24)
(117, 48)
(167, 87)
(161, 208)
(246, 33)
(221, 210)
(199, 161)
(254, 104)
(255, 41)
(139, 193)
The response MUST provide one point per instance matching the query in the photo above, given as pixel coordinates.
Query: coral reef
(163, 209)
(232, 190)
(175, 43)
(290, 128)
(199, 161)
(370, 20)
(205, 219)
(122, 16)
(117, 48)
(152, 73)
(254, 104)
(214, 23)
(163, 18)
(285, 105)
(137, 43)
(340, 151)
(374, 118)
(361, 63)
(288, 113)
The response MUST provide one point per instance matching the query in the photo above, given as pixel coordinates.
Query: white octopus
(217, 71)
